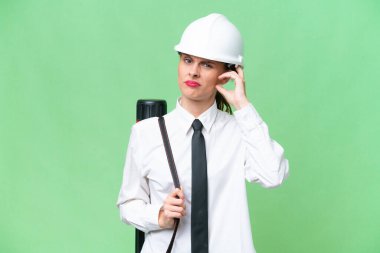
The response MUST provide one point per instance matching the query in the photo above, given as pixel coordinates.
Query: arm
(264, 157)
(134, 201)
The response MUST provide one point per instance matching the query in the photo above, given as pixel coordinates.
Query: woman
(215, 151)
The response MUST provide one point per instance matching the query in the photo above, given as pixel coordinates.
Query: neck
(195, 107)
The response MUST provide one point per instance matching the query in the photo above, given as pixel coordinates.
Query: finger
(178, 209)
(228, 75)
(175, 192)
(175, 201)
(180, 194)
(240, 71)
(221, 89)
(225, 75)
(170, 214)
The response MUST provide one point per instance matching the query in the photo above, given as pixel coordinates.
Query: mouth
(191, 83)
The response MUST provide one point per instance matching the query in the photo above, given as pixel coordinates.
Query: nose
(194, 71)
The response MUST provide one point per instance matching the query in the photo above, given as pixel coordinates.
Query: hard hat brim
(208, 56)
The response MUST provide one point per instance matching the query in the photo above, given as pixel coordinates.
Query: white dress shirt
(238, 148)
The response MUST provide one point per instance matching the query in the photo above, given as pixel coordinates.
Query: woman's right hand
(173, 207)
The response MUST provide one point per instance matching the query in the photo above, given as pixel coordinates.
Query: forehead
(196, 58)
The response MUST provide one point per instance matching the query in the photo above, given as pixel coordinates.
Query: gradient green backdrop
(70, 75)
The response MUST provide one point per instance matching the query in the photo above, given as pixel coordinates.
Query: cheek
(180, 75)
(212, 79)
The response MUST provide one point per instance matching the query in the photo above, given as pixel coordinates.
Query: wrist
(241, 104)
(161, 217)
(163, 221)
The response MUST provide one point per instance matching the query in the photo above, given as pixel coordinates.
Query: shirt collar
(207, 117)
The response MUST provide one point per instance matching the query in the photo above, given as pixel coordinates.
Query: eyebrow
(208, 62)
(203, 61)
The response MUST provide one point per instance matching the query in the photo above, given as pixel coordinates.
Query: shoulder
(223, 117)
(149, 129)
(145, 124)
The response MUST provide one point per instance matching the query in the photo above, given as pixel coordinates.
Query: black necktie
(199, 210)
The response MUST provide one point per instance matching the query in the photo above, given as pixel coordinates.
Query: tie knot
(197, 125)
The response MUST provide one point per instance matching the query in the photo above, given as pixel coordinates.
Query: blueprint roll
(147, 108)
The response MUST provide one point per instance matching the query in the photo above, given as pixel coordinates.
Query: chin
(197, 97)
(196, 94)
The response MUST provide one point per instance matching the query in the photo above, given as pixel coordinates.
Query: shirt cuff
(152, 212)
(247, 117)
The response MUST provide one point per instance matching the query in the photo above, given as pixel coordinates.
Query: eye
(207, 65)
(187, 60)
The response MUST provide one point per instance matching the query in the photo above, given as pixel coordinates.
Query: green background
(70, 75)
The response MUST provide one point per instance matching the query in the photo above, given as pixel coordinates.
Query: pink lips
(192, 83)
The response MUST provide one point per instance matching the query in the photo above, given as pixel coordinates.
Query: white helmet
(213, 37)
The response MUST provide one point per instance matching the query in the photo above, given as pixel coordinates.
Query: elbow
(278, 176)
(130, 214)
(124, 219)
(123, 213)
(273, 183)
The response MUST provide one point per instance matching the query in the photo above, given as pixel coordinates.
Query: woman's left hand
(236, 97)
